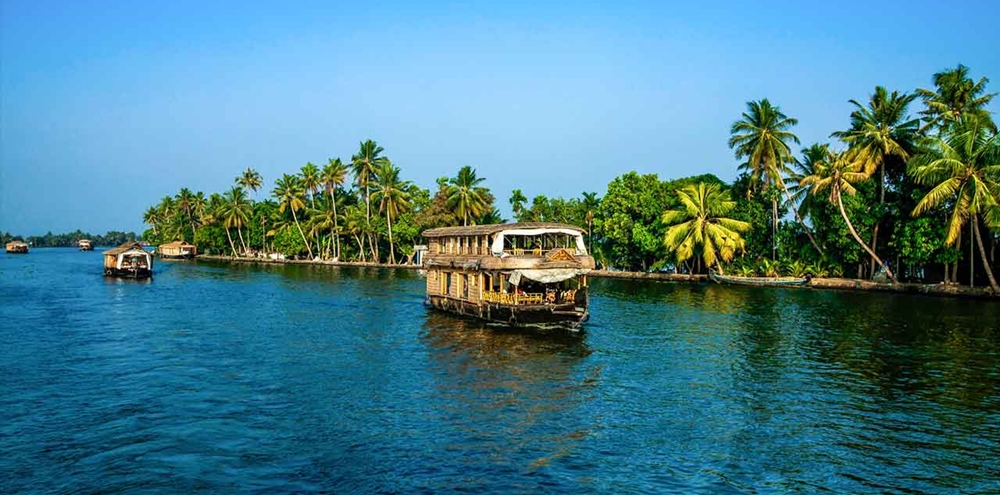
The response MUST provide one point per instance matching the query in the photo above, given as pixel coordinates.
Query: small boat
(177, 250)
(85, 245)
(17, 247)
(529, 275)
(760, 281)
(129, 260)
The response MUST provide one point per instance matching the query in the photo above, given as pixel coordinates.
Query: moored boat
(177, 250)
(759, 281)
(521, 275)
(17, 247)
(129, 260)
(85, 245)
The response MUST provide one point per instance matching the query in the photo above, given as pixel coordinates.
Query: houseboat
(128, 260)
(85, 245)
(17, 247)
(519, 274)
(177, 250)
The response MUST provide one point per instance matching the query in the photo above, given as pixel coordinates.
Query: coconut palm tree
(184, 202)
(811, 156)
(465, 197)
(963, 170)
(290, 193)
(333, 176)
(321, 220)
(353, 222)
(250, 180)
(236, 212)
(151, 217)
(762, 136)
(590, 204)
(701, 224)
(393, 197)
(956, 95)
(837, 174)
(363, 166)
(517, 201)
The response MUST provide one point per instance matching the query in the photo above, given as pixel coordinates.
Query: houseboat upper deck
(17, 247)
(519, 274)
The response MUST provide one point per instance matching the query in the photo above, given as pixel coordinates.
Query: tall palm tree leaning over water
(465, 195)
(881, 136)
(392, 196)
(701, 224)
(290, 194)
(837, 174)
(963, 170)
(762, 137)
(333, 176)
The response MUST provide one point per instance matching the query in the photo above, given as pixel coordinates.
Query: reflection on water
(293, 378)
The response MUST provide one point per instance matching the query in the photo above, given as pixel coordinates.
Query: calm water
(217, 378)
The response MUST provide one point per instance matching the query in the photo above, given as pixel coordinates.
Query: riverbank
(845, 284)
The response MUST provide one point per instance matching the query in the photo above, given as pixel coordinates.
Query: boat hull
(187, 256)
(87, 248)
(121, 273)
(565, 316)
(759, 281)
(17, 251)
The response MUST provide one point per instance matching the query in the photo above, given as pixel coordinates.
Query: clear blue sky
(105, 107)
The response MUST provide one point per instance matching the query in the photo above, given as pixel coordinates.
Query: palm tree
(184, 203)
(465, 197)
(290, 193)
(762, 136)
(393, 198)
(323, 219)
(151, 217)
(880, 134)
(250, 180)
(517, 201)
(701, 225)
(590, 204)
(800, 169)
(353, 221)
(837, 174)
(236, 212)
(334, 174)
(963, 171)
(168, 215)
(956, 96)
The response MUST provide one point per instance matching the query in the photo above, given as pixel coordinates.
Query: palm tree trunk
(309, 249)
(361, 247)
(242, 243)
(854, 233)
(972, 257)
(336, 229)
(798, 217)
(231, 241)
(774, 228)
(982, 253)
(874, 242)
(392, 251)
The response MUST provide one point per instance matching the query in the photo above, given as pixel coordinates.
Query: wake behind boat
(759, 281)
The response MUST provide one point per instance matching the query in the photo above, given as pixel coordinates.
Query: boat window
(465, 286)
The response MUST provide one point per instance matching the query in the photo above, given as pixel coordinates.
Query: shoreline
(840, 284)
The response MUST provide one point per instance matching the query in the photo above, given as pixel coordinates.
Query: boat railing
(523, 252)
(513, 299)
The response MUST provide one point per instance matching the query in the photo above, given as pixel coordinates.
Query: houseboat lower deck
(129, 260)
(521, 275)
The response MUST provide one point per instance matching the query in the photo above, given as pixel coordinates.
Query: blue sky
(107, 106)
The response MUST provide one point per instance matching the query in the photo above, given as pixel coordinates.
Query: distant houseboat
(177, 250)
(85, 245)
(128, 260)
(522, 274)
(17, 247)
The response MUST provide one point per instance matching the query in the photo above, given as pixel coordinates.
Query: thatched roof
(16, 243)
(128, 246)
(476, 230)
(176, 244)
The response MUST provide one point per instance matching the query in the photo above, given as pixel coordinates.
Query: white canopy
(549, 276)
(497, 248)
(129, 254)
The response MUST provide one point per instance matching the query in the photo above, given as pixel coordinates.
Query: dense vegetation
(903, 193)
(112, 238)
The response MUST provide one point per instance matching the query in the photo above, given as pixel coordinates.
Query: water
(278, 379)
